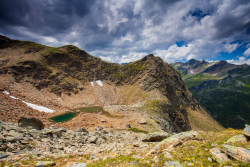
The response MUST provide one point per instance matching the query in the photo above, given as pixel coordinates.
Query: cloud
(247, 52)
(231, 47)
(127, 30)
(241, 60)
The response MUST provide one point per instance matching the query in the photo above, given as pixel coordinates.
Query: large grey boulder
(239, 153)
(44, 163)
(237, 139)
(178, 138)
(172, 164)
(155, 137)
(174, 140)
(93, 139)
(33, 122)
(218, 156)
(246, 131)
(77, 165)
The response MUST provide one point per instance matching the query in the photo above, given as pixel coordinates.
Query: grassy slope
(229, 104)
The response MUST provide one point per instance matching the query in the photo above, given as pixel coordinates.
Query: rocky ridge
(63, 76)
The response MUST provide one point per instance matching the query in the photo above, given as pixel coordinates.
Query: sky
(123, 31)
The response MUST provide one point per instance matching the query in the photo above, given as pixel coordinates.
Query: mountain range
(222, 88)
(68, 77)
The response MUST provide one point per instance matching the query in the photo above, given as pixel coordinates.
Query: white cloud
(241, 60)
(231, 47)
(199, 49)
(247, 52)
(126, 30)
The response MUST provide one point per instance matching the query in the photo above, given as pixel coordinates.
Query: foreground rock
(58, 142)
(44, 163)
(173, 141)
(178, 139)
(237, 139)
(30, 122)
(172, 164)
(218, 156)
(246, 131)
(155, 137)
(238, 153)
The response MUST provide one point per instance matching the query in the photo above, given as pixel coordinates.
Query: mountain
(222, 88)
(68, 78)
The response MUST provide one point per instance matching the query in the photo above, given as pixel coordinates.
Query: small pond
(63, 117)
(69, 115)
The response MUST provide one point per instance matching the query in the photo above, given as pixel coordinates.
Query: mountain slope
(224, 90)
(66, 76)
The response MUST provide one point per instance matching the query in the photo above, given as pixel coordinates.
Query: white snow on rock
(13, 97)
(6, 92)
(99, 82)
(39, 108)
(92, 83)
(36, 107)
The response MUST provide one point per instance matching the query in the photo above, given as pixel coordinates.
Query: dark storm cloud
(46, 17)
(126, 30)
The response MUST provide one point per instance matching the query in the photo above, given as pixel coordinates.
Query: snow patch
(39, 108)
(36, 107)
(13, 97)
(6, 92)
(191, 71)
(92, 83)
(99, 82)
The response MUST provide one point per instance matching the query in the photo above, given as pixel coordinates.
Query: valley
(222, 88)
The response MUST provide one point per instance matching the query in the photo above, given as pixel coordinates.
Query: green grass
(195, 80)
(227, 106)
(132, 129)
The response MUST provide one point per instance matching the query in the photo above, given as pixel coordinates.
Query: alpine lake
(73, 113)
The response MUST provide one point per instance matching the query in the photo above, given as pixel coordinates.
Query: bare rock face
(155, 137)
(239, 153)
(218, 156)
(33, 122)
(246, 131)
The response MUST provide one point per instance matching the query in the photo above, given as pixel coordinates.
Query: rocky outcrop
(218, 156)
(238, 153)
(30, 122)
(246, 131)
(155, 137)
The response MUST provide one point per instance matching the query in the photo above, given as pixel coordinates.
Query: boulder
(44, 163)
(239, 153)
(81, 130)
(93, 139)
(237, 139)
(246, 131)
(218, 156)
(77, 165)
(128, 126)
(155, 137)
(178, 138)
(33, 122)
(3, 155)
(143, 121)
(172, 164)
(2, 137)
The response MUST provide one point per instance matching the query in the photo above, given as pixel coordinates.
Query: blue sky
(127, 30)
